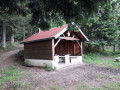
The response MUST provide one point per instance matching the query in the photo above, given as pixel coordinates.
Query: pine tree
(8, 8)
(69, 10)
(105, 30)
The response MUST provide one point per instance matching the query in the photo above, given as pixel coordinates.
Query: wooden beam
(78, 43)
(74, 47)
(53, 49)
(69, 38)
(57, 43)
(73, 36)
(63, 35)
(81, 49)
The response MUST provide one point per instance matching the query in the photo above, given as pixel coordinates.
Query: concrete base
(53, 63)
(43, 63)
(77, 59)
(67, 59)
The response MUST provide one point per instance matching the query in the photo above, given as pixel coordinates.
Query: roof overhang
(81, 36)
(39, 40)
(61, 32)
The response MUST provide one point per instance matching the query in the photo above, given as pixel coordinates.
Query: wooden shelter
(53, 47)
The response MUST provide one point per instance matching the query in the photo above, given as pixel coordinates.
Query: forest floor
(79, 77)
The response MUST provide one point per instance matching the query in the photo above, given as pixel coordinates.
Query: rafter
(57, 43)
(69, 38)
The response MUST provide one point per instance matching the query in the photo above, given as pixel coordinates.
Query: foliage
(1, 48)
(21, 54)
(102, 29)
(9, 46)
(16, 43)
(70, 10)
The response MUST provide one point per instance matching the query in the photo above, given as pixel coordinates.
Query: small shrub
(1, 48)
(8, 45)
(20, 54)
(49, 68)
(16, 43)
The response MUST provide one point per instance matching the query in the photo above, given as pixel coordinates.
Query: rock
(117, 59)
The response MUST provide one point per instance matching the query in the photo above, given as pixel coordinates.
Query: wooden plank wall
(39, 50)
(68, 47)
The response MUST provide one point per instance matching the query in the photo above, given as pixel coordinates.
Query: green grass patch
(115, 86)
(82, 87)
(111, 77)
(95, 59)
(10, 77)
(100, 76)
(9, 74)
(85, 87)
(55, 88)
(16, 43)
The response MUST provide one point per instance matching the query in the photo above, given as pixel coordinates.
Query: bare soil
(68, 78)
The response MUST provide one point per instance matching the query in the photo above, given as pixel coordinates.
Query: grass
(114, 86)
(9, 78)
(55, 88)
(117, 77)
(100, 76)
(82, 87)
(85, 87)
(95, 59)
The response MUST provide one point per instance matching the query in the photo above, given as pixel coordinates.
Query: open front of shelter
(55, 47)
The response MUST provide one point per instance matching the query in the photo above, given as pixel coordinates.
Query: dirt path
(8, 57)
(72, 77)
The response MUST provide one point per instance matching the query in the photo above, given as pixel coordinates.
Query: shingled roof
(52, 33)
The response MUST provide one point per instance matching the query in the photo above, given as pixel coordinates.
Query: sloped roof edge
(52, 33)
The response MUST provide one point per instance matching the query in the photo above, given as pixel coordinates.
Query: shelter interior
(68, 44)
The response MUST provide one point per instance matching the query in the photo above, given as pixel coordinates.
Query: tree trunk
(12, 38)
(4, 34)
(103, 48)
(113, 48)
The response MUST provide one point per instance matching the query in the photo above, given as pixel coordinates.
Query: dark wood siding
(39, 50)
(68, 47)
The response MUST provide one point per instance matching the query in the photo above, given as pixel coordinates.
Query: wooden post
(74, 47)
(68, 47)
(81, 49)
(53, 49)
